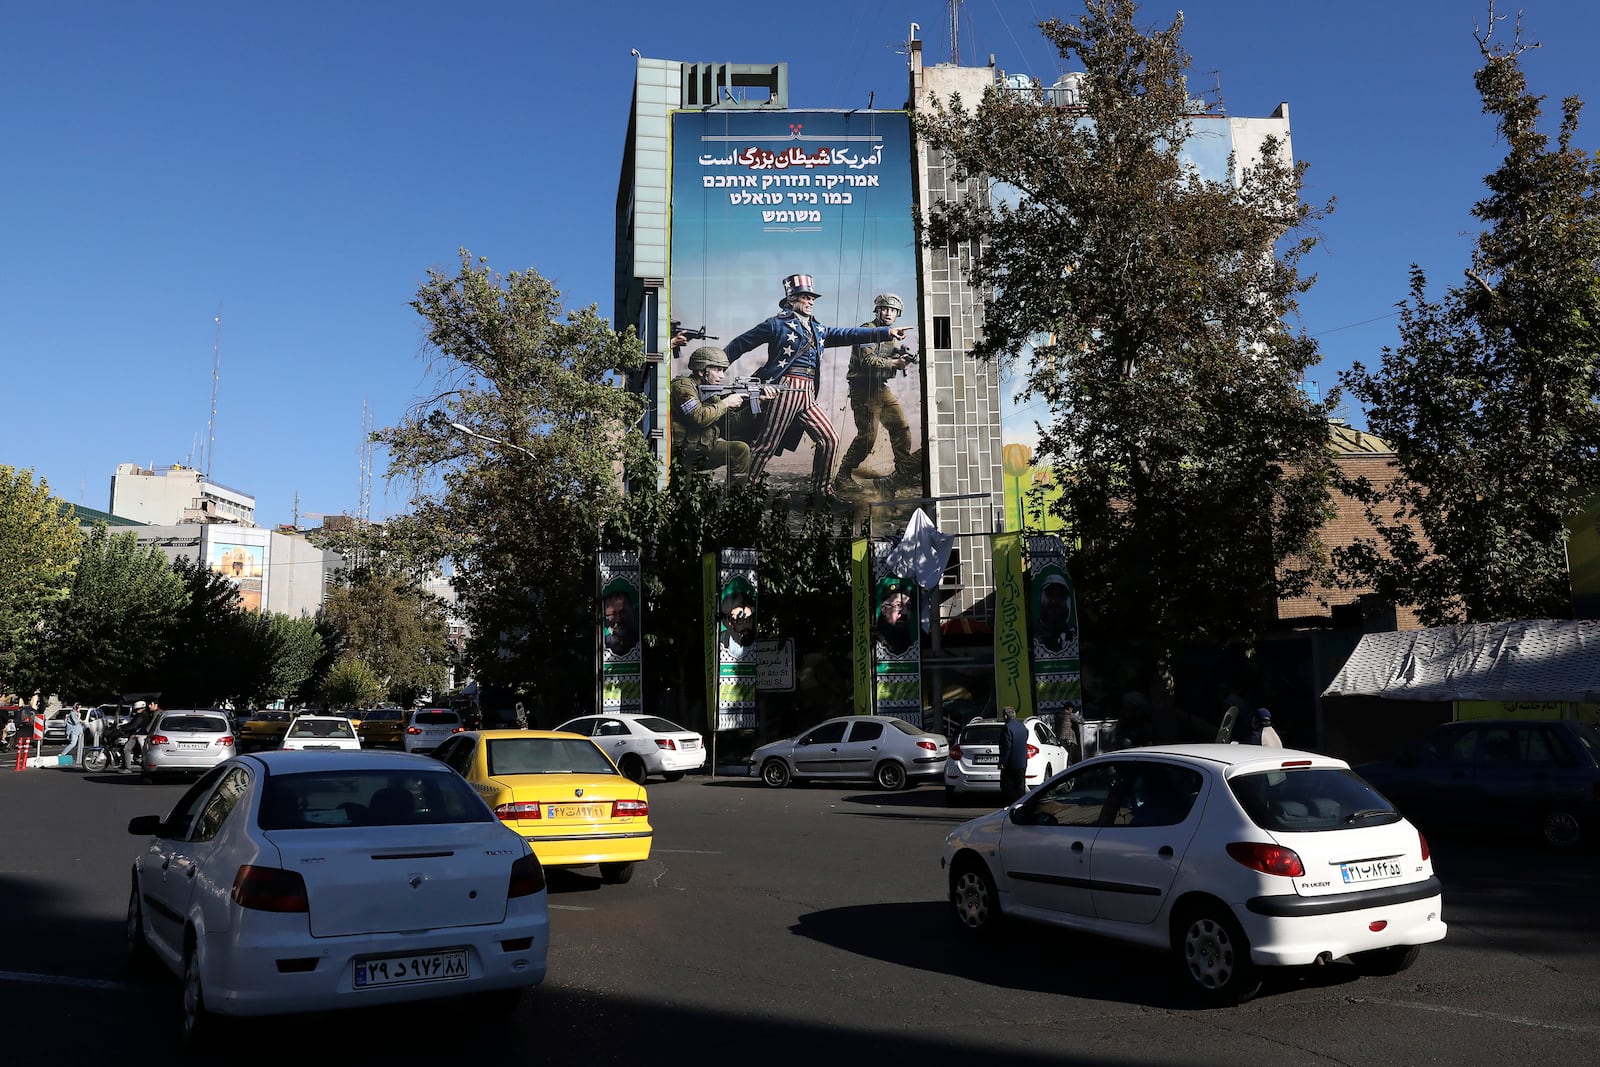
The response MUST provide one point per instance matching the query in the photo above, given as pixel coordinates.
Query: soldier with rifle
(697, 433)
(872, 366)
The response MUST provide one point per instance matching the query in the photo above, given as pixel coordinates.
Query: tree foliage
(351, 684)
(274, 658)
(39, 546)
(1490, 401)
(521, 495)
(395, 628)
(1155, 304)
(201, 661)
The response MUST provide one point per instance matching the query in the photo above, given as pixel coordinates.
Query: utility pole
(216, 373)
(955, 33)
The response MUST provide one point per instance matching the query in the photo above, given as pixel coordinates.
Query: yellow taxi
(265, 729)
(561, 792)
(382, 727)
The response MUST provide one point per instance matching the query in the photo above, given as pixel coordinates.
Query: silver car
(865, 748)
(187, 742)
(428, 728)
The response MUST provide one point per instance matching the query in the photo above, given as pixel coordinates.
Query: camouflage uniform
(872, 366)
(696, 430)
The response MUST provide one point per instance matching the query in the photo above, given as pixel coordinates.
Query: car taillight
(159, 739)
(620, 808)
(270, 889)
(527, 877)
(459, 729)
(226, 739)
(413, 729)
(667, 743)
(522, 809)
(929, 745)
(1033, 750)
(1268, 859)
(955, 752)
(1425, 850)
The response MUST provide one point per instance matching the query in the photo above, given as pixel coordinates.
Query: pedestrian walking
(1013, 758)
(72, 753)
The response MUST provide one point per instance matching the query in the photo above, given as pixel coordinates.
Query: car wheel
(199, 1025)
(1214, 957)
(974, 902)
(616, 873)
(775, 773)
(139, 954)
(891, 776)
(673, 777)
(96, 760)
(1560, 828)
(1390, 960)
(632, 768)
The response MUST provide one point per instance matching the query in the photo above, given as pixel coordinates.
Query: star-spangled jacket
(790, 340)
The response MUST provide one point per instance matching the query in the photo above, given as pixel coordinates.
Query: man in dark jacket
(1013, 758)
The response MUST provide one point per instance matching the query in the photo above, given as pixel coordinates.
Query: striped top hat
(798, 285)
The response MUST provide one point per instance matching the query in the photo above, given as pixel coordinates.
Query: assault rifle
(754, 388)
(902, 352)
(693, 335)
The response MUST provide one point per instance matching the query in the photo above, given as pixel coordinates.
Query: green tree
(39, 546)
(520, 454)
(394, 627)
(274, 658)
(111, 634)
(1193, 470)
(202, 654)
(1490, 402)
(351, 684)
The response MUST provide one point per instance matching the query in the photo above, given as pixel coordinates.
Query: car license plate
(576, 811)
(193, 744)
(1370, 870)
(986, 759)
(404, 970)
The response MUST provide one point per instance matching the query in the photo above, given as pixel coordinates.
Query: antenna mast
(364, 507)
(955, 33)
(216, 372)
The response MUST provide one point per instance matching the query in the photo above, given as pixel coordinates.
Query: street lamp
(469, 432)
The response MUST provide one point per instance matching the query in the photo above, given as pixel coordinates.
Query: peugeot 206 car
(864, 748)
(1231, 858)
(287, 882)
(187, 742)
(561, 792)
(642, 745)
(973, 765)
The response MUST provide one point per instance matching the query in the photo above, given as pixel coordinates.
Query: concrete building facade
(176, 494)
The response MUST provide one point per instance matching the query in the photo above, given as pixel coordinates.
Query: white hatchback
(311, 881)
(1230, 857)
(314, 733)
(427, 728)
(973, 765)
(642, 745)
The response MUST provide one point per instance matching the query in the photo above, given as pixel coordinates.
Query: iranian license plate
(193, 744)
(986, 759)
(404, 970)
(576, 811)
(1370, 870)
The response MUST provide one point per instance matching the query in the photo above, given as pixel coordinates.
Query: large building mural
(765, 203)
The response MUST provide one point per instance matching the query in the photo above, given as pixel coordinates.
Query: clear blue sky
(302, 165)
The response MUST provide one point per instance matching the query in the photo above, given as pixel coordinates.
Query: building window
(941, 331)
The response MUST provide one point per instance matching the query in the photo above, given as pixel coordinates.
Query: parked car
(1229, 857)
(284, 908)
(187, 742)
(426, 728)
(973, 765)
(308, 733)
(382, 728)
(642, 745)
(867, 748)
(265, 729)
(1540, 778)
(561, 792)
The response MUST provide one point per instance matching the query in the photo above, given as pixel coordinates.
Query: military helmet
(708, 356)
(888, 300)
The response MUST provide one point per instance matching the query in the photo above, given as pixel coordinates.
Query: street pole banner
(896, 641)
(1053, 630)
(861, 624)
(1013, 685)
(738, 587)
(621, 624)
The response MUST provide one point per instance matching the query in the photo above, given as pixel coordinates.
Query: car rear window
(214, 724)
(328, 799)
(660, 726)
(1309, 799)
(905, 727)
(321, 728)
(547, 755)
(988, 734)
(382, 715)
(436, 718)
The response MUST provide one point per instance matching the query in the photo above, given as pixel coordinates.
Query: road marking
(1472, 1014)
(75, 983)
(687, 851)
(568, 907)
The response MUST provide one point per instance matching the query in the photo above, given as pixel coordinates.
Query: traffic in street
(789, 925)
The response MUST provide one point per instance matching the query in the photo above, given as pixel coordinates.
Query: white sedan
(310, 881)
(973, 765)
(314, 733)
(1230, 857)
(642, 745)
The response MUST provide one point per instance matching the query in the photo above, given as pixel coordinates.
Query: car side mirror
(1022, 816)
(145, 826)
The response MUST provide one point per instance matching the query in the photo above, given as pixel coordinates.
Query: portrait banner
(1012, 677)
(245, 565)
(896, 641)
(1053, 633)
(621, 629)
(738, 588)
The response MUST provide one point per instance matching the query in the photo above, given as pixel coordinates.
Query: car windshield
(547, 755)
(333, 798)
(321, 728)
(211, 724)
(1308, 799)
(659, 725)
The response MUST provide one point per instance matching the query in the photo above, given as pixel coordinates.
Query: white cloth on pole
(922, 555)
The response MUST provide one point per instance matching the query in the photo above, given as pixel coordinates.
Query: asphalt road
(802, 926)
